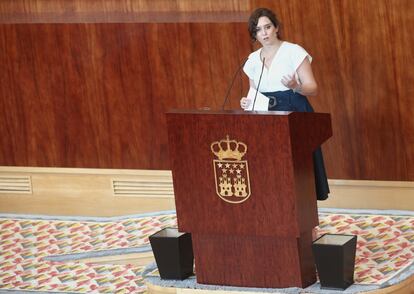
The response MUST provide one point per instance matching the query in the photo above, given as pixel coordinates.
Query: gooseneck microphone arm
(260, 79)
(232, 82)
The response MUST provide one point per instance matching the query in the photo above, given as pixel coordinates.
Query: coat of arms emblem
(231, 173)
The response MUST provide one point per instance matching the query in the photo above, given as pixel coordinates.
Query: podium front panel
(243, 173)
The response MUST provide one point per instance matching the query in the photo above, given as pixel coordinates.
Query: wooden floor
(406, 287)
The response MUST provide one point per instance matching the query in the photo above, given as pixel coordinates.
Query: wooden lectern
(244, 189)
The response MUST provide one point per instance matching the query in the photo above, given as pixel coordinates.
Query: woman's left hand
(290, 82)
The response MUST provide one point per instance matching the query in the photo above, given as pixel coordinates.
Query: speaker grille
(143, 188)
(16, 184)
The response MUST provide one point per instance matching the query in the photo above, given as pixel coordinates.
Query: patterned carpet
(385, 248)
(24, 244)
(385, 243)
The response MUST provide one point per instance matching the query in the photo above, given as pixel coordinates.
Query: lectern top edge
(229, 112)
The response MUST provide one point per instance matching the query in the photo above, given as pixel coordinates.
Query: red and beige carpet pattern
(385, 248)
(385, 243)
(24, 243)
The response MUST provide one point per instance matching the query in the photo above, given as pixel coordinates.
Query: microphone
(232, 82)
(260, 79)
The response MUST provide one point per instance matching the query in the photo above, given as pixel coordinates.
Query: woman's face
(266, 32)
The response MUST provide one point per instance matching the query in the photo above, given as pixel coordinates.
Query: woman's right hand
(244, 102)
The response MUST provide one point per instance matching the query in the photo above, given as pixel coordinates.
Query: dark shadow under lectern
(244, 189)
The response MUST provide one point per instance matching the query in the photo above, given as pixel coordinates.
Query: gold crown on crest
(228, 149)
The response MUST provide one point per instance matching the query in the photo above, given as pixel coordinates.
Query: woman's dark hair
(254, 19)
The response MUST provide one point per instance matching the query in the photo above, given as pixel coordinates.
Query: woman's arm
(251, 83)
(306, 85)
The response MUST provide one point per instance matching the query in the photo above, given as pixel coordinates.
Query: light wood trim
(94, 171)
(360, 183)
(138, 259)
(396, 195)
(155, 289)
(80, 191)
(202, 291)
(405, 287)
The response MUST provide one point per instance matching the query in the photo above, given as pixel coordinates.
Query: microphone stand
(260, 79)
(232, 82)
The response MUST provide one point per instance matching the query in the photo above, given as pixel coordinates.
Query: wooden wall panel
(401, 39)
(94, 95)
(99, 11)
(42, 6)
(359, 47)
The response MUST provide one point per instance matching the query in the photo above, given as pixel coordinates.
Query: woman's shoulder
(295, 52)
(255, 54)
(290, 45)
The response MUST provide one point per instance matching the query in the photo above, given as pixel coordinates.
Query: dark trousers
(290, 101)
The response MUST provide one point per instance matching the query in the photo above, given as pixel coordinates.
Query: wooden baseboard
(110, 192)
(88, 192)
(370, 195)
